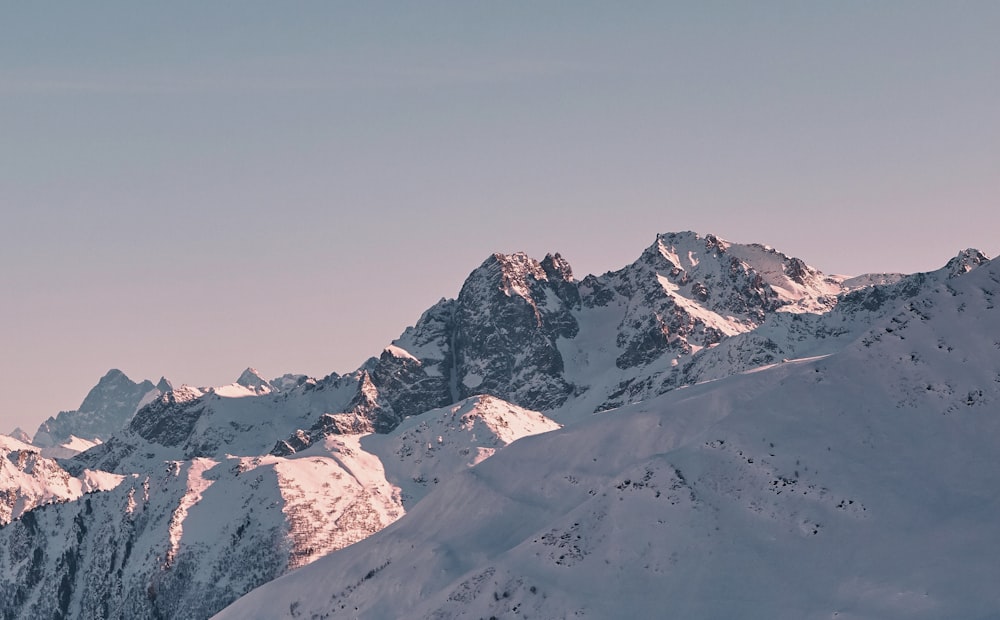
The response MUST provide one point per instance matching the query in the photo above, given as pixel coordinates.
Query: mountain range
(716, 429)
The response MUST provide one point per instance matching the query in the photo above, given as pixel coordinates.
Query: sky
(188, 189)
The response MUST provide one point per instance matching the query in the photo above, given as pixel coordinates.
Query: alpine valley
(716, 430)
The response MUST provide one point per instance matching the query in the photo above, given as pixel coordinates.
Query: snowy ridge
(28, 480)
(814, 489)
(156, 544)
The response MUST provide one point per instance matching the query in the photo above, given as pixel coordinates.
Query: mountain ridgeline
(193, 496)
(516, 320)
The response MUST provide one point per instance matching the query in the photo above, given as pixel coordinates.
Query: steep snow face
(797, 335)
(799, 287)
(860, 484)
(29, 480)
(106, 409)
(685, 294)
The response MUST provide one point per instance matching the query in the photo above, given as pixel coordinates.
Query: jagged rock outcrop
(514, 331)
(508, 318)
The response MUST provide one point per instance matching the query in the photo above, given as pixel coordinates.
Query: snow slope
(186, 537)
(28, 479)
(862, 484)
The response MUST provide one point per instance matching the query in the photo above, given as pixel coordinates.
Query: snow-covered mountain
(528, 332)
(186, 537)
(636, 363)
(859, 484)
(29, 479)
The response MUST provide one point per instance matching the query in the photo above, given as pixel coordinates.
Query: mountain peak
(683, 249)
(557, 268)
(106, 409)
(965, 261)
(511, 273)
(252, 379)
(20, 435)
(115, 376)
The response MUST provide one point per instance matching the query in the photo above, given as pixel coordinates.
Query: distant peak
(164, 385)
(691, 237)
(20, 435)
(251, 379)
(518, 262)
(965, 261)
(512, 272)
(115, 376)
(680, 249)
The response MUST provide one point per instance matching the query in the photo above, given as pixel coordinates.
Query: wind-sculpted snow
(860, 484)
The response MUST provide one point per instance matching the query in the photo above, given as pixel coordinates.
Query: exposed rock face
(170, 419)
(966, 261)
(683, 292)
(508, 317)
(106, 409)
(499, 337)
(515, 319)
